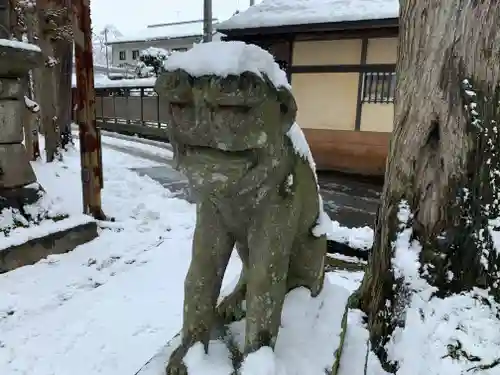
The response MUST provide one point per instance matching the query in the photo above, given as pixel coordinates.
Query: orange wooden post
(90, 137)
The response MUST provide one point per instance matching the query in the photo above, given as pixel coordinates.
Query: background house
(175, 36)
(340, 58)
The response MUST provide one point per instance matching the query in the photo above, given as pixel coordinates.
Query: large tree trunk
(65, 71)
(443, 160)
(48, 81)
(32, 144)
(15, 27)
(64, 50)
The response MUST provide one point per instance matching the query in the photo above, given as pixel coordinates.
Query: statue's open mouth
(221, 151)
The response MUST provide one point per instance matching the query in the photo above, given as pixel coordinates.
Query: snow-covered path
(108, 305)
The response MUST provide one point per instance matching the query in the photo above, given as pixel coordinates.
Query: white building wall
(129, 47)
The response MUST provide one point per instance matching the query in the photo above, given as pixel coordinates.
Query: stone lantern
(17, 178)
(18, 183)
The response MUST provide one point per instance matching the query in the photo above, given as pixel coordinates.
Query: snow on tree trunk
(48, 17)
(32, 144)
(443, 165)
(65, 53)
(30, 114)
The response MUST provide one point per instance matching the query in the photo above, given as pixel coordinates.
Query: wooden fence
(131, 110)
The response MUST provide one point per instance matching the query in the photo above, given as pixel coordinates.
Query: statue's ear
(288, 107)
(173, 86)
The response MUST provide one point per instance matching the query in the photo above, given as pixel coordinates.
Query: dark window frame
(378, 87)
(135, 54)
(122, 55)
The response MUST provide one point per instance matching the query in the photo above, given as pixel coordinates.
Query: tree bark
(34, 147)
(64, 52)
(48, 81)
(15, 27)
(90, 137)
(443, 158)
(65, 71)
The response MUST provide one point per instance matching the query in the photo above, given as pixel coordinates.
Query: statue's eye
(178, 104)
(241, 108)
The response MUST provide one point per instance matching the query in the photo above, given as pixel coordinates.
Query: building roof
(173, 30)
(278, 13)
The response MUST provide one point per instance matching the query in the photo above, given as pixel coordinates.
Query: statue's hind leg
(231, 308)
(270, 242)
(307, 263)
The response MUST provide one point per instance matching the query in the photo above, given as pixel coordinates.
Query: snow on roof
(271, 13)
(227, 58)
(173, 30)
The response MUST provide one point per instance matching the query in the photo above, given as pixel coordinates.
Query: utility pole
(106, 49)
(207, 21)
(90, 137)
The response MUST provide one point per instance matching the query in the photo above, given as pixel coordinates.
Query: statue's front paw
(175, 365)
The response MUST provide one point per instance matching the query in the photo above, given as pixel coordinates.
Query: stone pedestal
(16, 174)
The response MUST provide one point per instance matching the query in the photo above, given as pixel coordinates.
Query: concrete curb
(60, 241)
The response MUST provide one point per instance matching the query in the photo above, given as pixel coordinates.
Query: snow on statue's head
(228, 96)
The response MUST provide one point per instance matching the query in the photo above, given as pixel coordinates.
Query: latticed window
(379, 87)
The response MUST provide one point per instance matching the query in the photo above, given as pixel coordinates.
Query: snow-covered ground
(357, 238)
(458, 334)
(109, 305)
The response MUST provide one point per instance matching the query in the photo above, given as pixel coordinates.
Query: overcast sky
(132, 15)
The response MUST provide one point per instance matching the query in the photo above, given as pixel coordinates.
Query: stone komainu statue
(253, 191)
